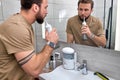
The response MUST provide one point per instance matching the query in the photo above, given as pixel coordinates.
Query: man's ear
(36, 8)
(91, 10)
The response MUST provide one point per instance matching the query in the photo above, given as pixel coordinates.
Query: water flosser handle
(84, 36)
(48, 27)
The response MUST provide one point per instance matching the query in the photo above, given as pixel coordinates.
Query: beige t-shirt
(74, 27)
(16, 35)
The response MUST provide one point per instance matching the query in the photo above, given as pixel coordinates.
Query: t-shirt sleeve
(17, 38)
(68, 28)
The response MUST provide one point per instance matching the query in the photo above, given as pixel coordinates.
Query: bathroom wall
(58, 13)
(117, 37)
(8, 7)
(1, 14)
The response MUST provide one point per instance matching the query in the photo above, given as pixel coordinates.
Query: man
(93, 30)
(18, 60)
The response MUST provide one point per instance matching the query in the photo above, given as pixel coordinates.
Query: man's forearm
(99, 41)
(38, 61)
(44, 56)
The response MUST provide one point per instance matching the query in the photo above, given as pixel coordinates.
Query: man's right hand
(52, 36)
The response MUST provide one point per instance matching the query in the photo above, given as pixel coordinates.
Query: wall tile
(73, 2)
(1, 17)
(50, 11)
(63, 11)
(1, 21)
(10, 7)
(50, 1)
(60, 25)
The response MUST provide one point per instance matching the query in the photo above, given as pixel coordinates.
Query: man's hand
(52, 36)
(86, 30)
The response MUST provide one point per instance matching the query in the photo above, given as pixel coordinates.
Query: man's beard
(39, 18)
(85, 18)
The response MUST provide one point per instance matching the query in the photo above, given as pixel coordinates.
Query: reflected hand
(86, 30)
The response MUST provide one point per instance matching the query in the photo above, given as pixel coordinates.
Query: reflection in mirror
(84, 28)
(59, 13)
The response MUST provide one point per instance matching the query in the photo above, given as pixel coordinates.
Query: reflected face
(42, 13)
(84, 10)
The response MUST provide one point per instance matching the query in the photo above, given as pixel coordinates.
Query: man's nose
(82, 12)
(46, 11)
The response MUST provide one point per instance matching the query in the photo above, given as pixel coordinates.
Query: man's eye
(80, 9)
(86, 9)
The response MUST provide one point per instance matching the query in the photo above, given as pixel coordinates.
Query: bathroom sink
(62, 74)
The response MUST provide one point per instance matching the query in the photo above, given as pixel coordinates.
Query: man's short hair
(27, 4)
(86, 1)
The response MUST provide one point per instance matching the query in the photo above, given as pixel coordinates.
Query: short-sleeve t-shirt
(74, 25)
(16, 35)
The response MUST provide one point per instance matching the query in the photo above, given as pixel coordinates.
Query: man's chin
(82, 17)
(40, 22)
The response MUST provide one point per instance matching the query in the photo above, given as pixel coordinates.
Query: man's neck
(30, 18)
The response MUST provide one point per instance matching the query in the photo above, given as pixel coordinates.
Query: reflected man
(93, 28)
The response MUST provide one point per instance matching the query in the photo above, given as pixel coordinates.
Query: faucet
(83, 67)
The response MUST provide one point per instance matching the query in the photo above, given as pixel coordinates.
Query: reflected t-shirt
(74, 25)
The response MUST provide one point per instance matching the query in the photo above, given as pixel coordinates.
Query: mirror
(59, 12)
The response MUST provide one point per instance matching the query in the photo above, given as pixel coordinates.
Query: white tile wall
(61, 27)
(58, 13)
(1, 17)
(72, 2)
(50, 11)
(64, 11)
(1, 21)
(10, 7)
(98, 9)
(50, 1)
